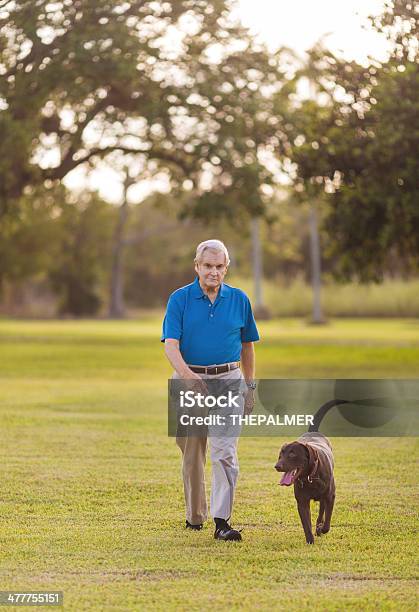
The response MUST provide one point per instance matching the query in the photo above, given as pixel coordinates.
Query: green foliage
(28, 240)
(375, 210)
(79, 271)
(63, 238)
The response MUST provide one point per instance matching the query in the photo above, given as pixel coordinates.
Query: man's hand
(195, 382)
(171, 347)
(249, 401)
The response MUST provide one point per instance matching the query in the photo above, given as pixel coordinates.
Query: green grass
(91, 496)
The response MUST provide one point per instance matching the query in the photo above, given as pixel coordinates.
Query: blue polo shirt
(209, 333)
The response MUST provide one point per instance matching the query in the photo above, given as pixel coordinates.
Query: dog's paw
(319, 529)
(310, 539)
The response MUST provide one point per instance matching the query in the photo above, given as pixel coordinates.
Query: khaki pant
(225, 466)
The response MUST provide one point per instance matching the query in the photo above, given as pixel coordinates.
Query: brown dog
(308, 465)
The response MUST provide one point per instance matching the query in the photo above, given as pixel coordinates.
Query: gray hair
(213, 245)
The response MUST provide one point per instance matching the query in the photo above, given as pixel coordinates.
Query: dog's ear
(313, 457)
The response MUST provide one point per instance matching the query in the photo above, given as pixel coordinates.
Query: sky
(300, 23)
(297, 24)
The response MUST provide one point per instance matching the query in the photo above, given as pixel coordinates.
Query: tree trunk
(257, 264)
(116, 301)
(315, 264)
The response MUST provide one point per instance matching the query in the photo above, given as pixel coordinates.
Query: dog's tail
(380, 402)
(323, 410)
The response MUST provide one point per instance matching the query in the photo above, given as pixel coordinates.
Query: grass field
(91, 496)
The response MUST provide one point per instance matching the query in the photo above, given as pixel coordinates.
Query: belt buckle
(216, 370)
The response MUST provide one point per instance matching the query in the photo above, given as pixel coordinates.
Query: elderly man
(209, 331)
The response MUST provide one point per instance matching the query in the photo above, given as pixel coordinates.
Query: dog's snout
(278, 467)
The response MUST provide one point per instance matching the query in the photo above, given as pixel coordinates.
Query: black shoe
(226, 532)
(194, 527)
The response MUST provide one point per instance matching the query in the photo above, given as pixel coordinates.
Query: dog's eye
(292, 454)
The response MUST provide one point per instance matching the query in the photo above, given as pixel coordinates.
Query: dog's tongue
(287, 479)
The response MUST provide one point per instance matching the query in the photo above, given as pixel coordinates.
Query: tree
(375, 212)
(139, 78)
(79, 271)
(175, 87)
(62, 240)
(29, 239)
(86, 65)
(357, 145)
(305, 124)
(116, 298)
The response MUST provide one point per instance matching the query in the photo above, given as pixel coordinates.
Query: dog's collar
(306, 480)
(310, 477)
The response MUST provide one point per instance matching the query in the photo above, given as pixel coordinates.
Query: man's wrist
(251, 384)
(185, 372)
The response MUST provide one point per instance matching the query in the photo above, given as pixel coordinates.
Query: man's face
(211, 269)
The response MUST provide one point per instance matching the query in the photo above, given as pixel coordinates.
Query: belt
(218, 369)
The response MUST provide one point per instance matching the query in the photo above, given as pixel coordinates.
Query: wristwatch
(251, 385)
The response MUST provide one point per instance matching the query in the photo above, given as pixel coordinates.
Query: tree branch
(76, 138)
(69, 163)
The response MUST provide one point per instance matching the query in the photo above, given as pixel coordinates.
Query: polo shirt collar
(197, 292)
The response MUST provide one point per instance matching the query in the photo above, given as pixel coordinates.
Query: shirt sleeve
(172, 322)
(249, 332)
